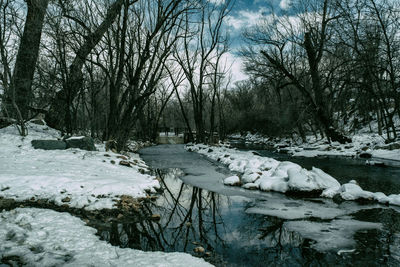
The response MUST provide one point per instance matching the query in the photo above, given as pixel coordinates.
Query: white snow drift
(87, 179)
(268, 174)
(48, 238)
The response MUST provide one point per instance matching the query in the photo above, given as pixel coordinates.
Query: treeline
(116, 69)
(334, 65)
(109, 68)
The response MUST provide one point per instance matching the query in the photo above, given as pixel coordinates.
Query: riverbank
(267, 174)
(62, 184)
(369, 146)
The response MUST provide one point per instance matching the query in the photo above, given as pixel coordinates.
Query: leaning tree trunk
(27, 56)
(59, 115)
(320, 106)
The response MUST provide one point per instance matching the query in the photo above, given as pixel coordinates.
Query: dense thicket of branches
(110, 67)
(332, 66)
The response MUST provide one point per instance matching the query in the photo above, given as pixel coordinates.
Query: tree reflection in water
(191, 217)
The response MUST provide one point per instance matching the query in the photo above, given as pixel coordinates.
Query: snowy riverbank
(91, 180)
(40, 237)
(72, 178)
(267, 174)
(365, 145)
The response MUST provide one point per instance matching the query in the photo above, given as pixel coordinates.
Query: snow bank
(42, 237)
(78, 178)
(362, 142)
(268, 174)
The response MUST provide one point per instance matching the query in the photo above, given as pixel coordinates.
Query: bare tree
(59, 115)
(202, 39)
(297, 50)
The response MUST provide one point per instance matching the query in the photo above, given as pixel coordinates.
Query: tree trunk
(59, 115)
(321, 109)
(28, 53)
(184, 115)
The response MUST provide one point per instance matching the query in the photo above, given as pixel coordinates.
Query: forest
(123, 69)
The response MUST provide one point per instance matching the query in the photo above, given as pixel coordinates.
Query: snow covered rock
(271, 175)
(250, 177)
(352, 191)
(232, 180)
(273, 183)
(251, 186)
(49, 144)
(81, 142)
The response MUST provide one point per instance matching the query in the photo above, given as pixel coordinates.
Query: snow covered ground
(91, 180)
(78, 178)
(40, 237)
(268, 174)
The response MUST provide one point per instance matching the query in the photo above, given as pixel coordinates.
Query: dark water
(237, 227)
(193, 217)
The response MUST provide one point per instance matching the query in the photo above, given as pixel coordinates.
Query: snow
(76, 138)
(336, 234)
(362, 141)
(43, 237)
(232, 180)
(268, 174)
(88, 178)
(295, 209)
(315, 179)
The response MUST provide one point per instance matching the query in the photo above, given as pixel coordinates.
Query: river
(238, 227)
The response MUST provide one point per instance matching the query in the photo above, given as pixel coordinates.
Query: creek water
(238, 227)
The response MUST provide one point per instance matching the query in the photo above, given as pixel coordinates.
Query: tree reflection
(191, 217)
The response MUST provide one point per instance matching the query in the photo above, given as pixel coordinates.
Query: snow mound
(232, 180)
(81, 179)
(48, 238)
(268, 174)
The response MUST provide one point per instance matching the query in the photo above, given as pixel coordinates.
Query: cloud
(245, 18)
(217, 2)
(285, 4)
(236, 67)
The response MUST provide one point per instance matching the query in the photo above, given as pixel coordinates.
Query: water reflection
(232, 235)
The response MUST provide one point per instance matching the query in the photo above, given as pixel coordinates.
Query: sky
(244, 14)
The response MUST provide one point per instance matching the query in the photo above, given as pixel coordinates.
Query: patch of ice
(294, 209)
(333, 235)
